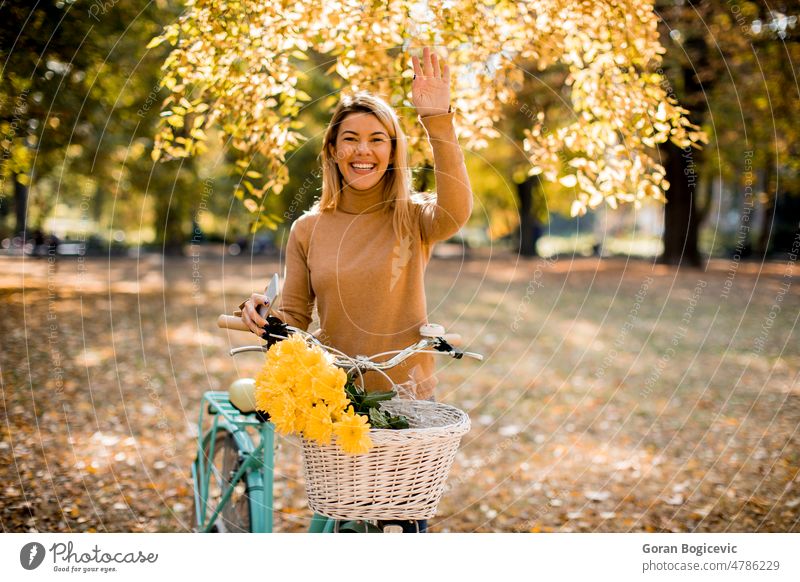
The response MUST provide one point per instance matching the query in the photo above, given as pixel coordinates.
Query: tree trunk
(5, 206)
(169, 224)
(768, 216)
(174, 191)
(681, 216)
(21, 206)
(683, 213)
(528, 224)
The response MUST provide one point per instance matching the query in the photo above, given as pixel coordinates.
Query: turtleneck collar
(362, 201)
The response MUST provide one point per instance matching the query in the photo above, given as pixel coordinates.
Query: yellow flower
(303, 404)
(311, 359)
(265, 390)
(279, 375)
(352, 433)
(328, 385)
(318, 424)
(282, 413)
(303, 392)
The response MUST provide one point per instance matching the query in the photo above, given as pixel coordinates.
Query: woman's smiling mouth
(362, 167)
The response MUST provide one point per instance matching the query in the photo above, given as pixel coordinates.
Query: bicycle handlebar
(439, 343)
(236, 323)
(232, 322)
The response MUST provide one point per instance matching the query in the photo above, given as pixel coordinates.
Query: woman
(362, 249)
(360, 253)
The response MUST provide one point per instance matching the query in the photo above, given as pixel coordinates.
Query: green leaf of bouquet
(373, 398)
(378, 419)
(398, 422)
(354, 393)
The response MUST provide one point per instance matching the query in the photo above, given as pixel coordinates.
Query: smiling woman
(360, 253)
(365, 161)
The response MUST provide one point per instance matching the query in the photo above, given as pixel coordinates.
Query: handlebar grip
(454, 339)
(232, 322)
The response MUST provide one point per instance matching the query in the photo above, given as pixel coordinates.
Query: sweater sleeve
(453, 205)
(295, 304)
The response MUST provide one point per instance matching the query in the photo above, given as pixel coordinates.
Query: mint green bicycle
(233, 472)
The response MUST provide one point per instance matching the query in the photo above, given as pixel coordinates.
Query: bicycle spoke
(234, 516)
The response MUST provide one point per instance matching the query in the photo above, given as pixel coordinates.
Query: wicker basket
(401, 477)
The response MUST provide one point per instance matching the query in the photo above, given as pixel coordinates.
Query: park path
(616, 395)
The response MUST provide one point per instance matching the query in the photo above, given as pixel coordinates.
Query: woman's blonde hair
(396, 180)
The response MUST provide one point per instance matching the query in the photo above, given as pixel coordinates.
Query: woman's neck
(354, 201)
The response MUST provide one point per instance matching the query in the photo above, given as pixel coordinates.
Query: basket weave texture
(401, 477)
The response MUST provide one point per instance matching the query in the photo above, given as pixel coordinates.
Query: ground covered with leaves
(615, 395)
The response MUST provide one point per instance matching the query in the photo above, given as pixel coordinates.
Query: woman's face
(362, 151)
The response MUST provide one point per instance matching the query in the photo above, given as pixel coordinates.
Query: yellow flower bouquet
(304, 393)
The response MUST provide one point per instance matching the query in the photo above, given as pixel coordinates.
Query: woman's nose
(362, 146)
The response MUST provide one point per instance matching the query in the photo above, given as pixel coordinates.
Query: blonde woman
(361, 251)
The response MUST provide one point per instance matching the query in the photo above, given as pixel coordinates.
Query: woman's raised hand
(430, 89)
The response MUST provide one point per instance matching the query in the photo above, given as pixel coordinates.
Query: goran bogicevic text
(696, 549)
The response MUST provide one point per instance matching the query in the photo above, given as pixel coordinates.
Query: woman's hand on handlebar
(250, 315)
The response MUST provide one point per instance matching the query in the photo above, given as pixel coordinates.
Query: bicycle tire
(235, 516)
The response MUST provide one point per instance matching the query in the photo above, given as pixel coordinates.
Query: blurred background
(81, 102)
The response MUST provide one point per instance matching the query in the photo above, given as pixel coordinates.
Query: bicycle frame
(257, 466)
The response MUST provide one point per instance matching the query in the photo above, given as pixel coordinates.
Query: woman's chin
(363, 183)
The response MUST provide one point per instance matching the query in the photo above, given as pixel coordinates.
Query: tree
(538, 98)
(78, 111)
(236, 66)
(38, 67)
(729, 63)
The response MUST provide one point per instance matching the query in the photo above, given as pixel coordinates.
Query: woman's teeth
(362, 168)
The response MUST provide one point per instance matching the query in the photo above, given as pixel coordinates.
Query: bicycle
(233, 475)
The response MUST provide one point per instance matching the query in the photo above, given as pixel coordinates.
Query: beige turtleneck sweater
(368, 286)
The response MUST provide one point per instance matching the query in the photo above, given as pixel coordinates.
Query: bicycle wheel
(235, 515)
